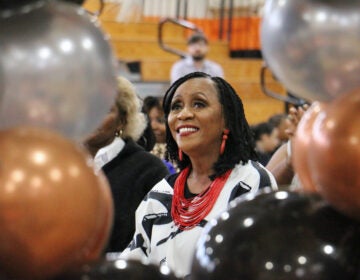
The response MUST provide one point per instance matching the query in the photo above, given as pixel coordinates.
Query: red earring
(223, 142)
(180, 154)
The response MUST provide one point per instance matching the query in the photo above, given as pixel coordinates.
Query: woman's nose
(185, 113)
(156, 126)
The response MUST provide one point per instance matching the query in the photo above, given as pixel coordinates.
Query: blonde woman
(130, 170)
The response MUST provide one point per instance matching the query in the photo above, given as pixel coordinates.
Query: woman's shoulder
(164, 186)
(170, 179)
(158, 197)
(253, 171)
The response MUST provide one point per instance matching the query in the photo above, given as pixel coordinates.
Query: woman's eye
(160, 120)
(175, 106)
(199, 104)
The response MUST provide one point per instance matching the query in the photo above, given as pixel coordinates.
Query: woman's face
(157, 122)
(110, 123)
(196, 120)
(105, 132)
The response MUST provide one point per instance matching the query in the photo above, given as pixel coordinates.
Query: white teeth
(187, 129)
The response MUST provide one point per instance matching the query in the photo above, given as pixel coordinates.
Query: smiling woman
(208, 136)
(196, 120)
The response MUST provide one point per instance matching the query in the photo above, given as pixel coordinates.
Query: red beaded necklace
(188, 212)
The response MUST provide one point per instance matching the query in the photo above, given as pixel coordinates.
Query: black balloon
(119, 269)
(279, 235)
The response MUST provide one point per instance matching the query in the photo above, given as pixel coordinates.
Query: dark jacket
(131, 174)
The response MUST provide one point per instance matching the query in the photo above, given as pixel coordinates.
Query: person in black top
(266, 141)
(130, 170)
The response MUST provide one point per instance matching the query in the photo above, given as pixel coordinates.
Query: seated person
(152, 107)
(197, 47)
(130, 170)
(280, 164)
(266, 141)
(208, 136)
(282, 123)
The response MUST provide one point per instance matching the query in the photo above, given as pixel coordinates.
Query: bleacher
(137, 43)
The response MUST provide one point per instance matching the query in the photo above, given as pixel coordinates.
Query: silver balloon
(57, 70)
(11, 7)
(313, 46)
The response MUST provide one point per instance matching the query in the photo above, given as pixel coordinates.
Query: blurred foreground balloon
(55, 212)
(79, 2)
(312, 46)
(279, 235)
(10, 7)
(57, 70)
(120, 269)
(335, 153)
(300, 146)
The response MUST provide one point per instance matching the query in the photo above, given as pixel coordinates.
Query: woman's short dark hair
(196, 38)
(151, 102)
(240, 146)
(260, 129)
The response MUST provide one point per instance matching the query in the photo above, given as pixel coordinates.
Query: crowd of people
(173, 164)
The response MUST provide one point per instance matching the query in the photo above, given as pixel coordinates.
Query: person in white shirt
(197, 47)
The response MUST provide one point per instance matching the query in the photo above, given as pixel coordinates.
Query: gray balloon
(313, 46)
(57, 70)
(10, 7)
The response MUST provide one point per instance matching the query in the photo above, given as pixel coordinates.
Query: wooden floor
(138, 42)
